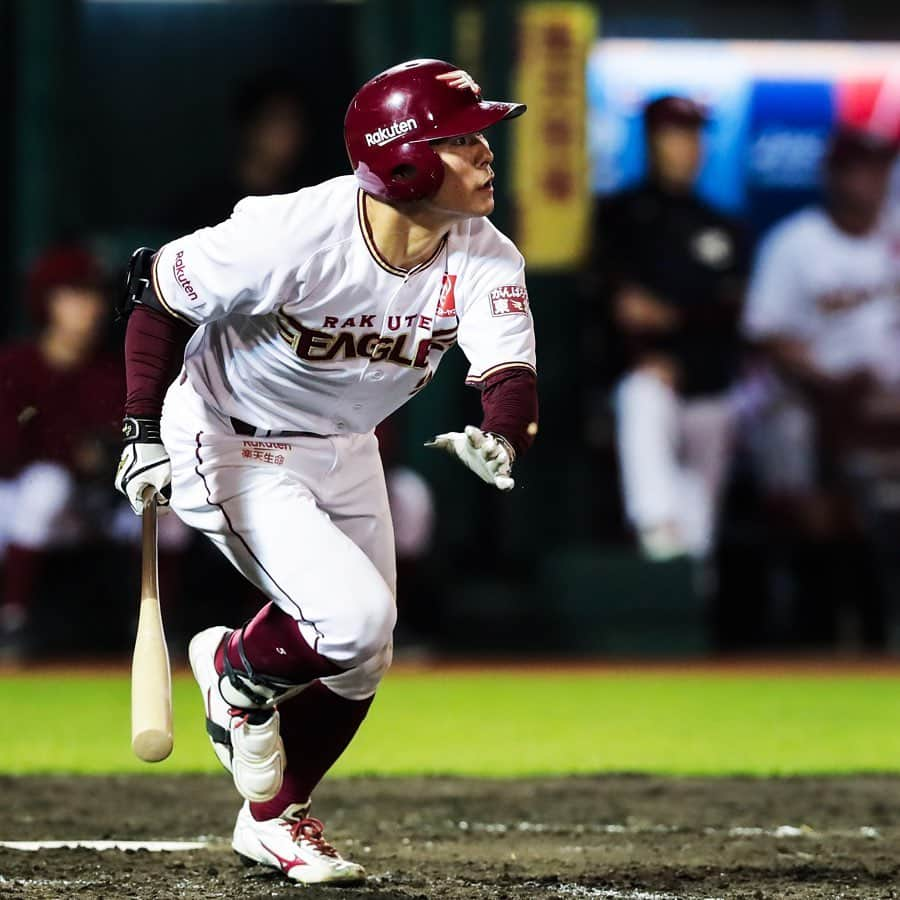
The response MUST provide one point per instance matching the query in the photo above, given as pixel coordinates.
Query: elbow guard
(137, 287)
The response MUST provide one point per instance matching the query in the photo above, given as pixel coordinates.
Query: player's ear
(402, 173)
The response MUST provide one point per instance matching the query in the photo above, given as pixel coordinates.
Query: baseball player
(824, 309)
(830, 328)
(317, 314)
(671, 271)
(60, 400)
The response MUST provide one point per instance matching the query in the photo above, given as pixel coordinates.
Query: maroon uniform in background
(53, 415)
(60, 403)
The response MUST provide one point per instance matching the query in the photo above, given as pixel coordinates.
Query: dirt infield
(620, 838)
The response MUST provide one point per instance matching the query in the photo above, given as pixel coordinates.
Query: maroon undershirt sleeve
(154, 350)
(510, 403)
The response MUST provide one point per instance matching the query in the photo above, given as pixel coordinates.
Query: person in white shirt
(824, 307)
(823, 310)
(317, 314)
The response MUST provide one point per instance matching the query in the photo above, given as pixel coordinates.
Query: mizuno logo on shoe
(286, 864)
(382, 136)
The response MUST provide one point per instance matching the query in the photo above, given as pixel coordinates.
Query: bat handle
(149, 567)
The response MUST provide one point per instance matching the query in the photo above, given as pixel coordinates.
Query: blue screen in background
(788, 128)
(772, 105)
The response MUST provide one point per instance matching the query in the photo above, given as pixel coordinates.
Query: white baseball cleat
(244, 734)
(294, 844)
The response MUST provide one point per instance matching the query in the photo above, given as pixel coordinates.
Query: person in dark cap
(60, 405)
(858, 166)
(830, 330)
(270, 156)
(669, 272)
(823, 311)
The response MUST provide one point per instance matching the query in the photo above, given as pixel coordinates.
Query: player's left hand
(488, 456)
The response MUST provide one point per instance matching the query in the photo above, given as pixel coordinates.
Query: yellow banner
(550, 160)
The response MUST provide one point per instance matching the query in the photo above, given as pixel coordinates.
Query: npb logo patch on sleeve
(509, 300)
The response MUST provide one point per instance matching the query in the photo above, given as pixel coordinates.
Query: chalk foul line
(867, 832)
(594, 893)
(152, 846)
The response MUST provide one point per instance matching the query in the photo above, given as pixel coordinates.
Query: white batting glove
(489, 456)
(144, 463)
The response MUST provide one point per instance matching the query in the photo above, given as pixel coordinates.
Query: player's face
(675, 153)
(468, 186)
(278, 135)
(76, 314)
(861, 187)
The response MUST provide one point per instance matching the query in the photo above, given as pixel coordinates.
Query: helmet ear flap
(413, 171)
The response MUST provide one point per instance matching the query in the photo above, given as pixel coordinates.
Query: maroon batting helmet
(393, 117)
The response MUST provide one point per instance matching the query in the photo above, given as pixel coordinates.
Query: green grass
(505, 724)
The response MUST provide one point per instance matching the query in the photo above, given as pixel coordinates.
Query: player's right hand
(144, 463)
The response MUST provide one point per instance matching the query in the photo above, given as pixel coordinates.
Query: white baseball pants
(35, 508)
(673, 457)
(306, 519)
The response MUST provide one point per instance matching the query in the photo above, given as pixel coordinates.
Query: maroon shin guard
(316, 727)
(317, 724)
(274, 647)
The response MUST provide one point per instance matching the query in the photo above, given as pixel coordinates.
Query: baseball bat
(151, 678)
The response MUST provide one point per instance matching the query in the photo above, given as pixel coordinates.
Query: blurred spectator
(61, 401)
(670, 271)
(824, 310)
(270, 118)
(412, 505)
(60, 413)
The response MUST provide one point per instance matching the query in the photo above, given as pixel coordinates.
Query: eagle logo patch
(447, 301)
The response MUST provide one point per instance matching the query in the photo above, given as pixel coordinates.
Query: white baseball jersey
(305, 327)
(837, 293)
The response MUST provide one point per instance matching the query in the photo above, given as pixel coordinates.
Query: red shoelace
(244, 716)
(237, 713)
(311, 830)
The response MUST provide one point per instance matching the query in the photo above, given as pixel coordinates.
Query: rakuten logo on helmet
(383, 135)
